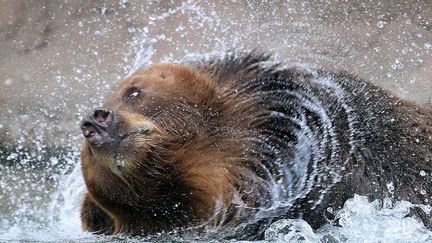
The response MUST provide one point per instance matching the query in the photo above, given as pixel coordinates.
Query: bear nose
(103, 117)
(96, 125)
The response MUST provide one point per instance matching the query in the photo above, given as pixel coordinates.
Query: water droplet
(397, 65)
(380, 24)
(8, 82)
(422, 173)
(12, 156)
(54, 161)
(390, 187)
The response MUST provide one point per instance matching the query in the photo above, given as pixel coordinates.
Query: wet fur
(224, 142)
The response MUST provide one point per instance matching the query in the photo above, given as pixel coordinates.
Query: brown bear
(232, 144)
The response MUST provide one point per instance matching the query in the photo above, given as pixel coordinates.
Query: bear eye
(132, 93)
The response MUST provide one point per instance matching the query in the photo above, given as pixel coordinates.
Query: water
(40, 182)
(360, 221)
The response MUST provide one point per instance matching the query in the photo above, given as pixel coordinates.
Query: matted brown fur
(212, 144)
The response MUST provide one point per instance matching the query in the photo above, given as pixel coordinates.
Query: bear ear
(236, 66)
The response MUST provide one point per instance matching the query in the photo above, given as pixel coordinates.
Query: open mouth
(95, 135)
(101, 127)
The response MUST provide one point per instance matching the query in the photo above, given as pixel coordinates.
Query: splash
(41, 191)
(358, 221)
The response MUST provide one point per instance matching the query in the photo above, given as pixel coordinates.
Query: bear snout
(96, 126)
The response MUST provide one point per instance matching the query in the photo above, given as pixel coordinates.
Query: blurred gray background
(60, 58)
